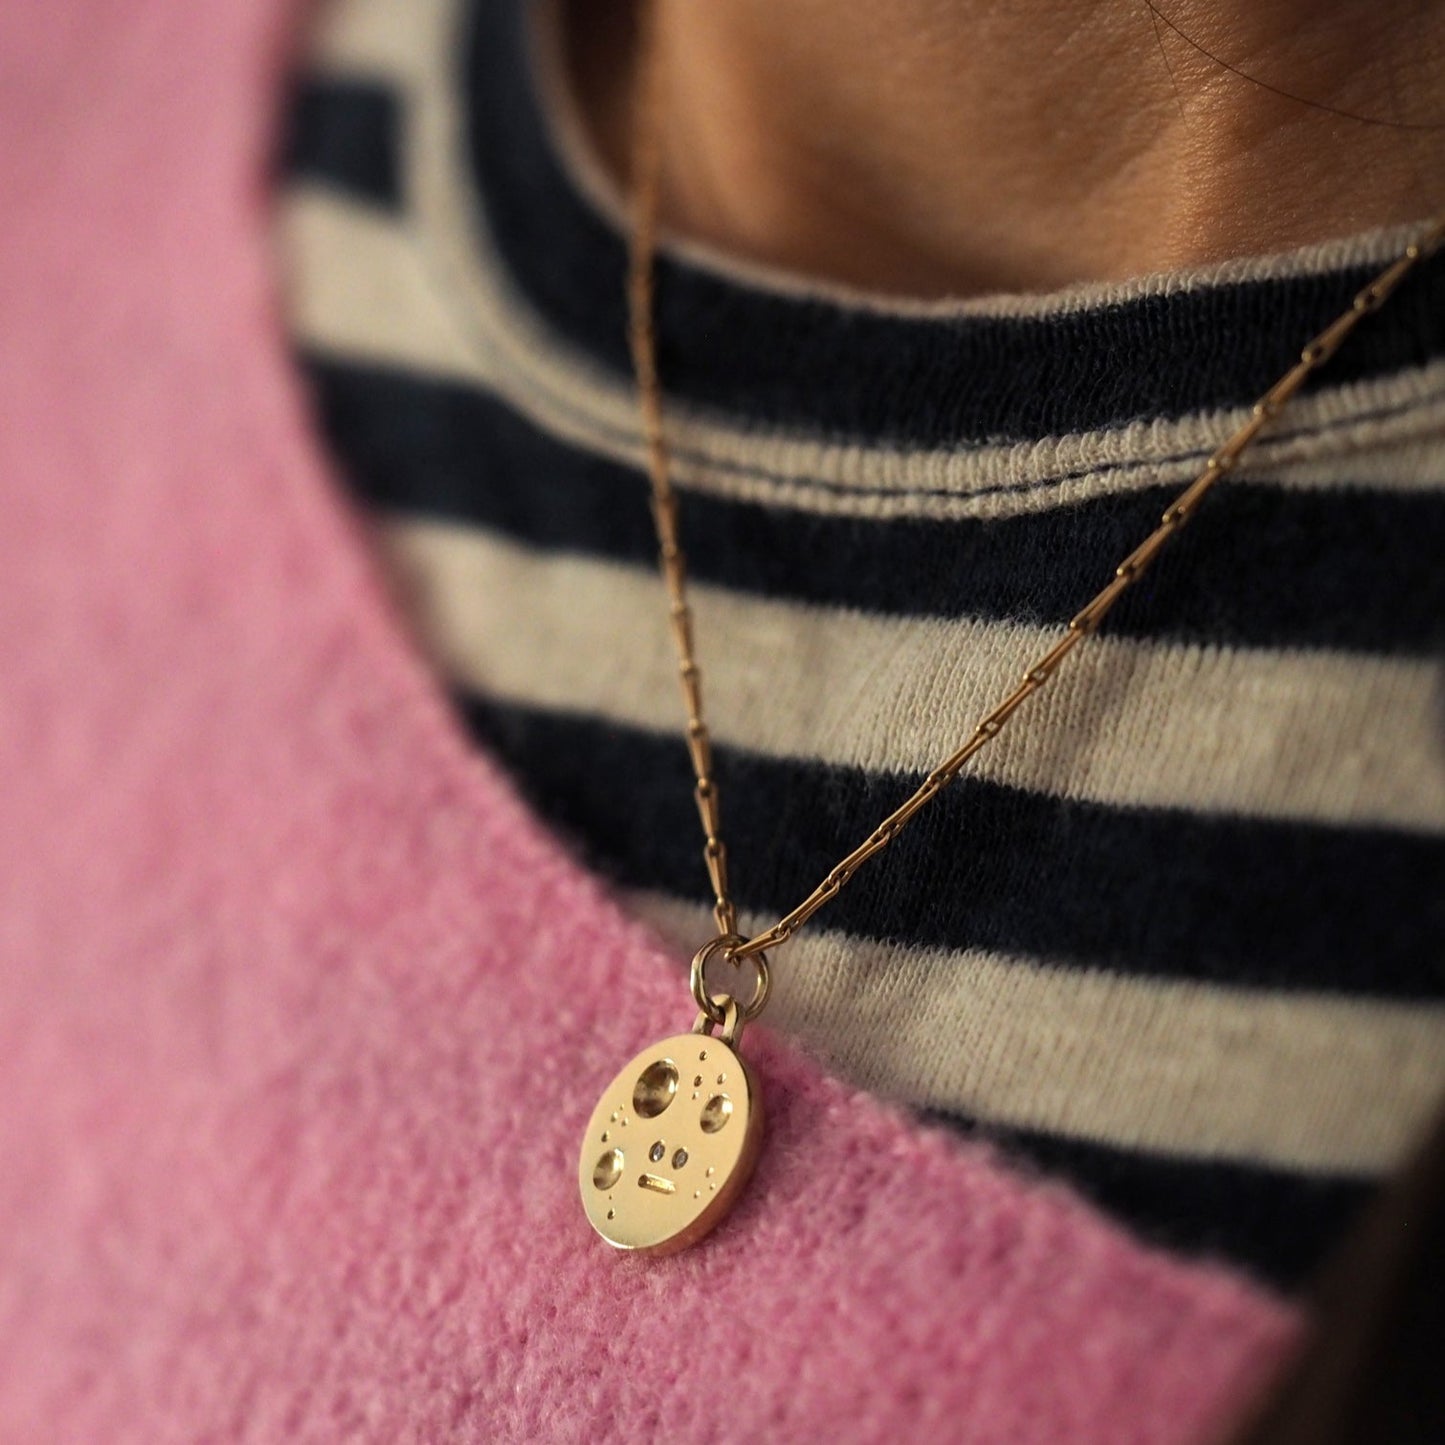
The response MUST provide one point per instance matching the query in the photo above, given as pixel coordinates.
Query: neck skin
(935, 148)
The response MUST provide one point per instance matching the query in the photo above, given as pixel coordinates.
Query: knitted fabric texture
(302, 1012)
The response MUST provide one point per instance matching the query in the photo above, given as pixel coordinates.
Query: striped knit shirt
(1178, 936)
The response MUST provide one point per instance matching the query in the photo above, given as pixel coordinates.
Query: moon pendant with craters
(670, 1145)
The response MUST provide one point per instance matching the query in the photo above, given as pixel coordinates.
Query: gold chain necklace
(674, 1138)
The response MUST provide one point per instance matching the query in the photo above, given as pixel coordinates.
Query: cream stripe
(1307, 1081)
(369, 287)
(1277, 734)
(358, 287)
(371, 39)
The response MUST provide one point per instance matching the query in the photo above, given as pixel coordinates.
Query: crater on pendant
(716, 1112)
(608, 1170)
(655, 1089)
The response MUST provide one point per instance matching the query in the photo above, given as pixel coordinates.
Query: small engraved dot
(697, 1082)
(656, 1152)
(703, 1054)
(710, 1171)
(697, 1193)
(722, 1078)
(712, 1186)
(612, 1214)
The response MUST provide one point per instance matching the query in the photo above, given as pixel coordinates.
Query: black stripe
(1261, 566)
(1147, 891)
(811, 364)
(1276, 1223)
(347, 133)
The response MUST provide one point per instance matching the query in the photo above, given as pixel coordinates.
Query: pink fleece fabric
(302, 1013)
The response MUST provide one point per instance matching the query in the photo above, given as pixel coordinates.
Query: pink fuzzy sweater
(302, 1013)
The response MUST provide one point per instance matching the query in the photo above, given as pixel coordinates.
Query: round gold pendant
(670, 1145)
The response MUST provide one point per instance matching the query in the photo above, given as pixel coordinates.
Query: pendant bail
(708, 1001)
(733, 1020)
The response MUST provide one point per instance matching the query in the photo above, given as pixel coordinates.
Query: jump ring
(725, 944)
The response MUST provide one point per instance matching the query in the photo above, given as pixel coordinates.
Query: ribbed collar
(820, 361)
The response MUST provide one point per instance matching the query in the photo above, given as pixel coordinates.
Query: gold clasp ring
(714, 1007)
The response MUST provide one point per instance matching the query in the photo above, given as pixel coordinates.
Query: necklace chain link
(673, 564)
